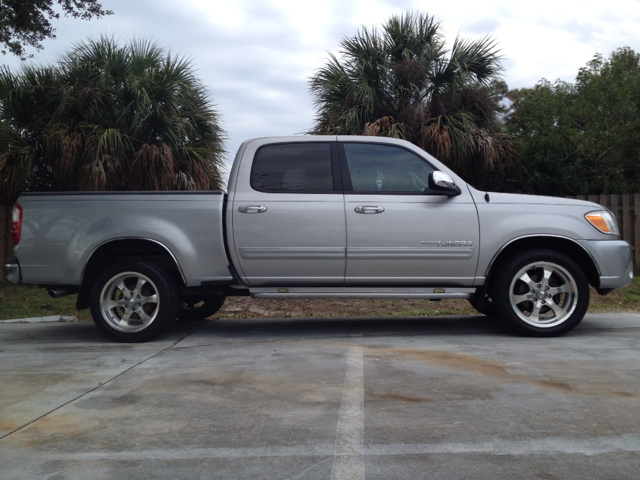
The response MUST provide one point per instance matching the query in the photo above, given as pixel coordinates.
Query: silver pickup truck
(319, 217)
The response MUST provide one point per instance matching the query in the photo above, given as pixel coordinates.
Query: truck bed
(60, 232)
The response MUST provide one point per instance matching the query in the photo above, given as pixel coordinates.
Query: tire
(483, 305)
(541, 293)
(140, 317)
(195, 308)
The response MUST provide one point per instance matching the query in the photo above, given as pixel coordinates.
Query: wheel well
(117, 251)
(565, 246)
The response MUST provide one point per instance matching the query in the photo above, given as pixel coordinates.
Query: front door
(399, 233)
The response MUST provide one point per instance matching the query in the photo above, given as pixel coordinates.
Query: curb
(53, 318)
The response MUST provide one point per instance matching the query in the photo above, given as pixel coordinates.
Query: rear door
(398, 231)
(288, 215)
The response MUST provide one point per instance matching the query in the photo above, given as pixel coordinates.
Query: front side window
(293, 168)
(386, 168)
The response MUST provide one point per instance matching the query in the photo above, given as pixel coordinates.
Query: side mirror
(442, 182)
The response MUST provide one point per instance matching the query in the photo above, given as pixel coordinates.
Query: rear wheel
(134, 302)
(194, 308)
(541, 293)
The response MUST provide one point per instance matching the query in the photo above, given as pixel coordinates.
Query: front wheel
(541, 293)
(134, 301)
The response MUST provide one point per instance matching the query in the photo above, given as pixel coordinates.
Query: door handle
(368, 209)
(252, 209)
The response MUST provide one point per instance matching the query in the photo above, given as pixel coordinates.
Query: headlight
(604, 221)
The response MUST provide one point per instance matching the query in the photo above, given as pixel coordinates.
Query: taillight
(16, 224)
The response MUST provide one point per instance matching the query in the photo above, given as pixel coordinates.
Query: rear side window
(379, 168)
(293, 168)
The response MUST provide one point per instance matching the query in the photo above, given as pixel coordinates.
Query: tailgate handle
(368, 209)
(252, 209)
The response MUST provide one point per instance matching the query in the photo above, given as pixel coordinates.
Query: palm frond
(108, 116)
(436, 140)
(401, 81)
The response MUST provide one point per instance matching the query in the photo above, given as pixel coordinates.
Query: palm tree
(110, 118)
(403, 82)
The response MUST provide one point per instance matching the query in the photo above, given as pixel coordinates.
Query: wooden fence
(625, 207)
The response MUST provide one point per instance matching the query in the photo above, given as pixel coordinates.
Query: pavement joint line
(303, 473)
(348, 460)
(499, 447)
(102, 384)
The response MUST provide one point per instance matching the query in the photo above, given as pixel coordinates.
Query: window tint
(385, 168)
(293, 167)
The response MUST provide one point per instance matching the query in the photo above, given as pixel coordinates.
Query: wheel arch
(116, 249)
(564, 245)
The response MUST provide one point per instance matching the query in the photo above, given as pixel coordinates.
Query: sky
(256, 56)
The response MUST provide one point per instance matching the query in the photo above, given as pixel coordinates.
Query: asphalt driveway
(374, 398)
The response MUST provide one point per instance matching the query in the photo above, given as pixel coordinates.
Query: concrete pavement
(456, 397)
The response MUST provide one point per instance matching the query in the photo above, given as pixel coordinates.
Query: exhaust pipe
(58, 292)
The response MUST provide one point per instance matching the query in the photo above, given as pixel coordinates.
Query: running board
(351, 292)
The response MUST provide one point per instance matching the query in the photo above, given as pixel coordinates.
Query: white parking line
(556, 445)
(349, 462)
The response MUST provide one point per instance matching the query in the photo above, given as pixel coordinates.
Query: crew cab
(319, 217)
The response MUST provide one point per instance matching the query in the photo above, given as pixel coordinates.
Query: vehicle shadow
(350, 326)
(86, 334)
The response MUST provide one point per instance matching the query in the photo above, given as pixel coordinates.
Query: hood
(523, 199)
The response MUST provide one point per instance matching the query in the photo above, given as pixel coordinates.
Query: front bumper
(12, 270)
(614, 260)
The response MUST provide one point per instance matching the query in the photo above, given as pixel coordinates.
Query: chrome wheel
(543, 294)
(129, 302)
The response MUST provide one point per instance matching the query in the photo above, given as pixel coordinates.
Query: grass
(21, 301)
(24, 301)
(621, 299)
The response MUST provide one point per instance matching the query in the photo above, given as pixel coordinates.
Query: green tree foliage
(107, 117)
(403, 82)
(28, 22)
(580, 138)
